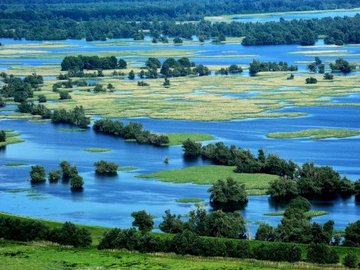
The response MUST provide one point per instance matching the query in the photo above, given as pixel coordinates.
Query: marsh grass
(315, 134)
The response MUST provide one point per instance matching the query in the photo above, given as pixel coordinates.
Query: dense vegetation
(307, 180)
(159, 9)
(103, 167)
(60, 23)
(257, 66)
(24, 230)
(130, 131)
(79, 63)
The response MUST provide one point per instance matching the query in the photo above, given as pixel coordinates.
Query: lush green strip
(14, 164)
(189, 200)
(309, 214)
(11, 138)
(97, 150)
(179, 138)
(315, 134)
(209, 174)
(127, 169)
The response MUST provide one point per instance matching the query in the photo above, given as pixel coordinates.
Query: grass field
(179, 138)
(309, 214)
(11, 138)
(315, 134)
(206, 175)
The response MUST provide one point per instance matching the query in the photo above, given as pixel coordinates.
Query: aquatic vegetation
(315, 134)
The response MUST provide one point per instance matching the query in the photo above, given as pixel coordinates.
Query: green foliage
(67, 170)
(257, 66)
(300, 203)
(283, 188)
(2, 102)
(64, 95)
(70, 235)
(2, 136)
(311, 80)
(277, 252)
(75, 117)
(328, 76)
(171, 223)
(131, 75)
(42, 98)
(131, 131)
(341, 65)
(265, 232)
(37, 174)
(91, 63)
(322, 254)
(143, 221)
(76, 183)
(191, 148)
(351, 260)
(228, 192)
(106, 168)
(54, 176)
(352, 234)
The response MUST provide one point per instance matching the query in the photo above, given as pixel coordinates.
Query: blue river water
(110, 201)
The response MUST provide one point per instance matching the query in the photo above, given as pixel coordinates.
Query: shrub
(321, 253)
(143, 221)
(37, 174)
(76, 183)
(277, 252)
(350, 260)
(106, 168)
(54, 176)
(71, 235)
(352, 234)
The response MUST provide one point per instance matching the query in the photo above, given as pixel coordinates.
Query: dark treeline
(91, 62)
(26, 230)
(131, 131)
(308, 180)
(75, 117)
(257, 66)
(304, 32)
(158, 9)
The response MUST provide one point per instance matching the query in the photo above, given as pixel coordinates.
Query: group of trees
(307, 180)
(207, 234)
(244, 160)
(68, 173)
(81, 62)
(26, 230)
(75, 116)
(311, 181)
(108, 168)
(257, 66)
(20, 89)
(233, 69)
(170, 68)
(130, 131)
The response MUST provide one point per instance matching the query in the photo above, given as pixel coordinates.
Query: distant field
(315, 134)
(206, 175)
(179, 138)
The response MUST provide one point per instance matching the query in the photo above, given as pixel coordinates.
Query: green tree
(265, 232)
(131, 75)
(54, 176)
(321, 253)
(42, 98)
(350, 260)
(76, 183)
(191, 148)
(228, 192)
(171, 223)
(283, 188)
(2, 136)
(352, 234)
(106, 168)
(37, 174)
(143, 221)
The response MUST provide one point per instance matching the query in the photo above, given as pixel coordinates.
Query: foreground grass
(40, 255)
(179, 138)
(255, 183)
(11, 138)
(315, 134)
(309, 214)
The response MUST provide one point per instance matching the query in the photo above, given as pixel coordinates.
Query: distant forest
(59, 20)
(155, 9)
